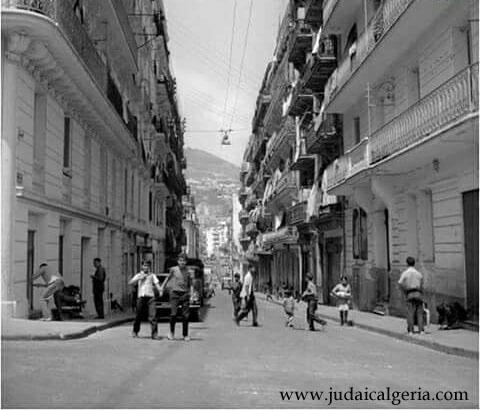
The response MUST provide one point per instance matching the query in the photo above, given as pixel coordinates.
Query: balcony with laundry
(300, 39)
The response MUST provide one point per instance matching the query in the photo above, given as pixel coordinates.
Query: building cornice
(37, 43)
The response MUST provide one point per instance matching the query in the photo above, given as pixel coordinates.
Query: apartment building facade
(87, 170)
(407, 88)
(377, 158)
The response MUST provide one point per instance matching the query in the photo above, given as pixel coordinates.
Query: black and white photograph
(239, 204)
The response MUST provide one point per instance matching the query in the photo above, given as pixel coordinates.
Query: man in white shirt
(411, 282)
(146, 280)
(248, 297)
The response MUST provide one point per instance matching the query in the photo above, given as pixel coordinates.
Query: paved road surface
(226, 366)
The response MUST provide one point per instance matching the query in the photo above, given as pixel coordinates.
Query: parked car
(195, 267)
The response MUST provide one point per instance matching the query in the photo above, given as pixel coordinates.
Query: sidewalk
(25, 329)
(460, 342)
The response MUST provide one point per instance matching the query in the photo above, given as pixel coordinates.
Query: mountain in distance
(201, 164)
(212, 181)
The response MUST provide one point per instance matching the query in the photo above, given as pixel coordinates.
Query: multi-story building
(407, 88)
(190, 227)
(374, 156)
(91, 143)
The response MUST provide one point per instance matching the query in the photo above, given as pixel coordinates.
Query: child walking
(343, 292)
(289, 308)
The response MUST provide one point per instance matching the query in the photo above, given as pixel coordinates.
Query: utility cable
(230, 59)
(242, 61)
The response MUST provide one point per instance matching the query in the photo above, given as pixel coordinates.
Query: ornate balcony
(313, 12)
(263, 101)
(251, 175)
(327, 139)
(244, 169)
(319, 67)
(243, 217)
(62, 13)
(303, 161)
(297, 214)
(450, 102)
(265, 222)
(251, 229)
(244, 241)
(300, 43)
(284, 191)
(390, 33)
(251, 202)
(279, 144)
(286, 235)
(299, 101)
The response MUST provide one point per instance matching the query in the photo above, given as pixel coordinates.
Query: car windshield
(161, 277)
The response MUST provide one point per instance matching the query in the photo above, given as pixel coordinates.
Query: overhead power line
(242, 61)
(230, 58)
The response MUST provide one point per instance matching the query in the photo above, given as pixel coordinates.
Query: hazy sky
(200, 33)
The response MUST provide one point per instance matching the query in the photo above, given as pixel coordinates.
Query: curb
(69, 336)
(457, 351)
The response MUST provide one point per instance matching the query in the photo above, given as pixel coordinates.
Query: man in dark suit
(98, 284)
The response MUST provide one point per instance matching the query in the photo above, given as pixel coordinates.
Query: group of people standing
(53, 298)
(179, 283)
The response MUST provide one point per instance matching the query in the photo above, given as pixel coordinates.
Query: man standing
(180, 290)
(248, 298)
(98, 284)
(54, 285)
(236, 289)
(411, 282)
(311, 298)
(146, 280)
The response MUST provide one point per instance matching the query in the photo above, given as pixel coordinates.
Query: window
(67, 148)
(360, 234)
(356, 129)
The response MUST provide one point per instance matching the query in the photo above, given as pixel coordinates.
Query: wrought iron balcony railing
(297, 214)
(251, 229)
(449, 102)
(313, 12)
(300, 43)
(453, 101)
(319, 66)
(62, 12)
(286, 235)
(380, 24)
(243, 217)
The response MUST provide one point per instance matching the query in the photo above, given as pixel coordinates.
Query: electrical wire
(209, 131)
(242, 61)
(209, 49)
(230, 59)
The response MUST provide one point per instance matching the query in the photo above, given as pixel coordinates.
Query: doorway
(333, 251)
(30, 267)
(470, 226)
(84, 258)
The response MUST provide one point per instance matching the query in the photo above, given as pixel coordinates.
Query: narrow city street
(227, 366)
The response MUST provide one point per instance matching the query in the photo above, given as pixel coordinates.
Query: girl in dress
(343, 293)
